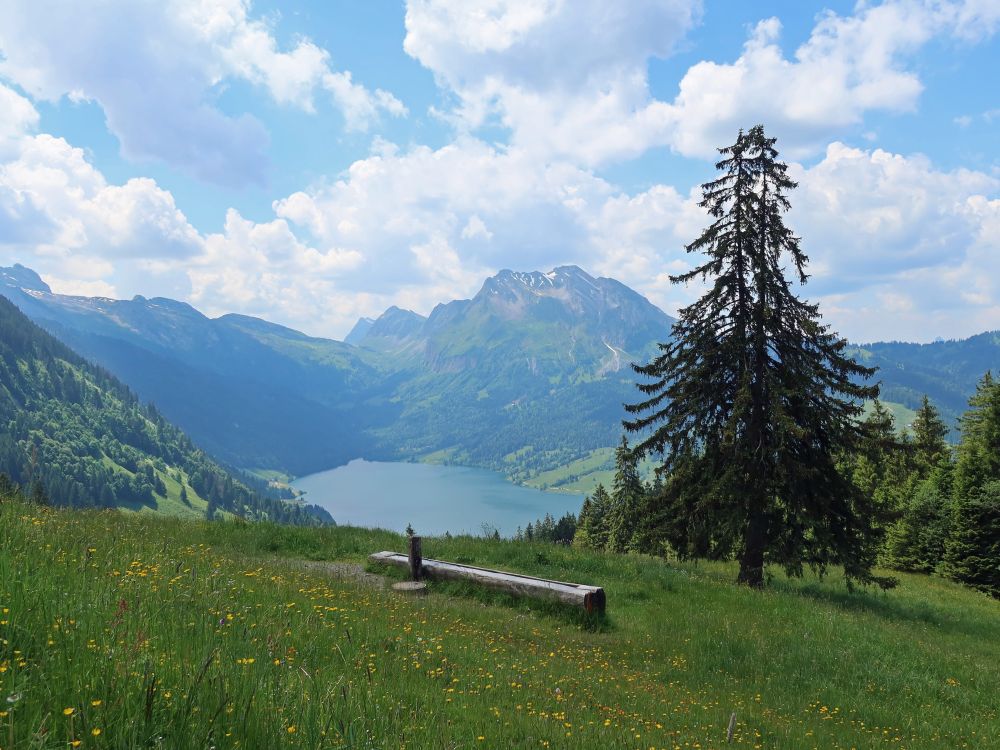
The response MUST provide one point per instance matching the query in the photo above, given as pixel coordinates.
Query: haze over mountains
(75, 435)
(528, 375)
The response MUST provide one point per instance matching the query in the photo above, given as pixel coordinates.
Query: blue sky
(311, 163)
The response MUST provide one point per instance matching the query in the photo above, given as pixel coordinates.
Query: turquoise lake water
(434, 499)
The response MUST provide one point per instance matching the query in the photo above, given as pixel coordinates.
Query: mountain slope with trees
(72, 434)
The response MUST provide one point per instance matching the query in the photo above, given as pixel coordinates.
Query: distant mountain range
(527, 376)
(73, 434)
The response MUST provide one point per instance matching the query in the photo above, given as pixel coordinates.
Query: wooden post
(416, 559)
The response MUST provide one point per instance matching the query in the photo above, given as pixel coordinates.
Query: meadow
(126, 630)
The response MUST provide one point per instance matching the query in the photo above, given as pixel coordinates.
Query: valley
(526, 378)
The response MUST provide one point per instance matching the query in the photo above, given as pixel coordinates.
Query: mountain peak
(23, 278)
(360, 330)
(393, 328)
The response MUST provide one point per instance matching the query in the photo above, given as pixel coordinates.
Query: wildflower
(292, 729)
(95, 704)
(96, 731)
(69, 711)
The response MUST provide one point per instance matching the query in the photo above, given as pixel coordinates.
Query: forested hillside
(72, 434)
(946, 371)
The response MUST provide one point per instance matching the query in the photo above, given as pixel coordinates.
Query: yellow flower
(69, 711)
(95, 704)
(95, 731)
(291, 729)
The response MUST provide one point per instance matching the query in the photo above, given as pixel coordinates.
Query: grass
(124, 630)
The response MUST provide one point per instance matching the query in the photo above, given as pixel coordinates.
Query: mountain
(555, 323)
(392, 332)
(527, 377)
(945, 370)
(359, 331)
(77, 436)
(253, 393)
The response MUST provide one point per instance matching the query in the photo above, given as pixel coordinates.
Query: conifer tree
(930, 433)
(626, 499)
(581, 538)
(917, 541)
(972, 555)
(752, 399)
(978, 459)
(597, 530)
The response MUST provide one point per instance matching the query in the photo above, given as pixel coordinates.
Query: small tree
(978, 460)
(917, 541)
(752, 399)
(930, 433)
(597, 528)
(972, 555)
(626, 499)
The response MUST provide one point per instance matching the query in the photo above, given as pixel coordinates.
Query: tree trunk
(752, 559)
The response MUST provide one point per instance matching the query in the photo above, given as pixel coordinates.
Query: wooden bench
(590, 598)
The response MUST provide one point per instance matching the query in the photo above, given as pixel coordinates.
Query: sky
(314, 162)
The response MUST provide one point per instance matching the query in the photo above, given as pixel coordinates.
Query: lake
(432, 498)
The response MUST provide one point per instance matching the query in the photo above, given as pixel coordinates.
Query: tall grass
(121, 631)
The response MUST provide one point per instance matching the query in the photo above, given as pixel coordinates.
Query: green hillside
(74, 435)
(123, 631)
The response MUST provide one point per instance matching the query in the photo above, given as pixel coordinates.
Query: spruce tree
(581, 538)
(597, 530)
(930, 433)
(626, 499)
(972, 554)
(978, 459)
(753, 398)
(917, 541)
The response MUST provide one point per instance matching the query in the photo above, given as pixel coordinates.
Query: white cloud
(75, 210)
(156, 69)
(849, 66)
(477, 207)
(18, 116)
(898, 248)
(568, 78)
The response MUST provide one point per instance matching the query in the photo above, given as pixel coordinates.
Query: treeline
(939, 503)
(73, 435)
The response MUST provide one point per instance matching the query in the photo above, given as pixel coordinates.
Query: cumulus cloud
(18, 116)
(492, 207)
(848, 66)
(898, 246)
(567, 78)
(65, 206)
(570, 79)
(156, 69)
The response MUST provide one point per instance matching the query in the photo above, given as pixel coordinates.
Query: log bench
(590, 598)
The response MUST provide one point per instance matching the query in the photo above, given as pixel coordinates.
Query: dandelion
(292, 729)
(96, 731)
(95, 704)
(69, 711)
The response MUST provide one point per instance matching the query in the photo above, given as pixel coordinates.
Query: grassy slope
(204, 634)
